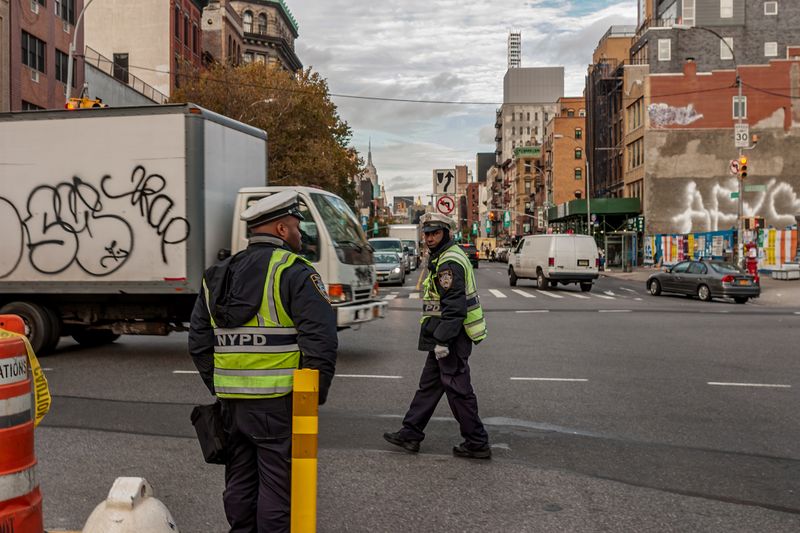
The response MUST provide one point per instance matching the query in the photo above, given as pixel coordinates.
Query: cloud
(452, 50)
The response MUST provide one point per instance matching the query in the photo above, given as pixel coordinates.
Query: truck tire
(94, 337)
(541, 281)
(39, 326)
(512, 277)
(55, 331)
(586, 287)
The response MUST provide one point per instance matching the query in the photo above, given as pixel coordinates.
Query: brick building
(223, 33)
(270, 31)
(564, 151)
(39, 34)
(473, 207)
(5, 53)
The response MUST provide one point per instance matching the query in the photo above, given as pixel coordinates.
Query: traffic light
(84, 103)
(743, 167)
(491, 216)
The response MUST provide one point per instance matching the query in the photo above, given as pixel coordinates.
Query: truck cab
(336, 245)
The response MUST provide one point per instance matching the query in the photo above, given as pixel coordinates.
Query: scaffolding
(604, 127)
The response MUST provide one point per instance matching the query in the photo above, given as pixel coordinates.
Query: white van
(554, 259)
(335, 243)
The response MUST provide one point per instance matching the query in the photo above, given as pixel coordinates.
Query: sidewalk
(774, 292)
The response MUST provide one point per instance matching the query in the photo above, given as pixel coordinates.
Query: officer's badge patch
(446, 279)
(316, 279)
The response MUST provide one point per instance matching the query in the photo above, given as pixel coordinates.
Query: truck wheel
(512, 277)
(55, 330)
(94, 337)
(586, 287)
(39, 327)
(541, 281)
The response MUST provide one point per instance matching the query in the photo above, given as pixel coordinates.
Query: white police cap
(435, 221)
(273, 207)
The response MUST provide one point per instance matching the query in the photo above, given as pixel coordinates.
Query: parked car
(390, 244)
(501, 254)
(472, 253)
(707, 280)
(554, 259)
(413, 252)
(389, 268)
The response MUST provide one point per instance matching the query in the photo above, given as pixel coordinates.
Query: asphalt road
(608, 411)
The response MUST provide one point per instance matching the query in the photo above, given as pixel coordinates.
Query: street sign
(375, 229)
(506, 219)
(445, 204)
(734, 195)
(364, 222)
(474, 228)
(444, 181)
(741, 135)
(734, 167)
(488, 226)
(755, 188)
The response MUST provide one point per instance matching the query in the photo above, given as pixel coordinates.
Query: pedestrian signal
(743, 167)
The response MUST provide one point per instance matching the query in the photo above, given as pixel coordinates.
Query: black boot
(396, 439)
(484, 452)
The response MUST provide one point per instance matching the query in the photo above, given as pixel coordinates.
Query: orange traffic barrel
(20, 499)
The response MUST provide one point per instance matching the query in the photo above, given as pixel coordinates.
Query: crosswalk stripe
(390, 297)
(523, 293)
(603, 296)
(576, 295)
(414, 296)
(550, 294)
(497, 293)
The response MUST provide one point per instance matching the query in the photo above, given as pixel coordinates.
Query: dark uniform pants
(450, 376)
(258, 474)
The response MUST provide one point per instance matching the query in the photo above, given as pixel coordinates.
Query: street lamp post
(72, 46)
(739, 120)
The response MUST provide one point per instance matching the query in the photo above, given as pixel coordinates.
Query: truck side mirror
(223, 254)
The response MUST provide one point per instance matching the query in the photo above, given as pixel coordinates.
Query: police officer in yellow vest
(262, 313)
(452, 321)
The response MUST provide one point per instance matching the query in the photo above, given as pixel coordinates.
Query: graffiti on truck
(71, 223)
(715, 210)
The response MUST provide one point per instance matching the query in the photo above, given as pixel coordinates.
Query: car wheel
(541, 281)
(512, 277)
(741, 299)
(655, 287)
(586, 287)
(704, 293)
(39, 327)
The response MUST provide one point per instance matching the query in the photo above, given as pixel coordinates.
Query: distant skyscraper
(514, 49)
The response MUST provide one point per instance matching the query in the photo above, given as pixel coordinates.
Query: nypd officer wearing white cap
(262, 314)
(452, 321)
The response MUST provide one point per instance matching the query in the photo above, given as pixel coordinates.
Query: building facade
(38, 35)
(514, 49)
(5, 56)
(156, 40)
(270, 31)
(564, 152)
(223, 33)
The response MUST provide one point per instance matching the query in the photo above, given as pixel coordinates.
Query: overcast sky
(439, 50)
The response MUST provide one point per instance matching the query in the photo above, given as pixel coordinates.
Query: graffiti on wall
(71, 223)
(715, 210)
(662, 115)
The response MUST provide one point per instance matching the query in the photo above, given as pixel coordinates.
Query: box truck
(110, 216)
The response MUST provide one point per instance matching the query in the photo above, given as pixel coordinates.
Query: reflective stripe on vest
(258, 359)
(474, 323)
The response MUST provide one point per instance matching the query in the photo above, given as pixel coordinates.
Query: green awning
(600, 206)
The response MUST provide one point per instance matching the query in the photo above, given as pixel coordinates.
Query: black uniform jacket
(236, 287)
(443, 331)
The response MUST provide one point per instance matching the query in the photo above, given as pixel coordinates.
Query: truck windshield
(343, 229)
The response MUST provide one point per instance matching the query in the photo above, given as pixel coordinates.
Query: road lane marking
(390, 297)
(797, 312)
(533, 311)
(369, 376)
(576, 295)
(185, 372)
(609, 293)
(603, 296)
(497, 293)
(637, 299)
(614, 311)
(413, 296)
(768, 385)
(629, 290)
(550, 294)
(550, 379)
(523, 293)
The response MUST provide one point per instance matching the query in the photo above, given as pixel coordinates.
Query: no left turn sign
(445, 205)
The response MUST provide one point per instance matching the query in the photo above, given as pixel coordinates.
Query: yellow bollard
(305, 428)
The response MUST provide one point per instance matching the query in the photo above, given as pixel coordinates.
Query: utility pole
(72, 46)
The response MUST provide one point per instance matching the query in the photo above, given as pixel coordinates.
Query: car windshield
(386, 258)
(411, 245)
(340, 221)
(394, 246)
(724, 268)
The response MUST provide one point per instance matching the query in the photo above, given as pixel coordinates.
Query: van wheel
(586, 287)
(541, 281)
(41, 325)
(512, 277)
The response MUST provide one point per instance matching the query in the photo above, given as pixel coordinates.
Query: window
(529, 116)
(247, 21)
(536, 130)
(739, 107)
(578, 174)
(65, 9)
(771, 49)
(177, 71)
(248, 57)
(664, 49)
(33, 51)
(578, 133)
(725, 9)
(635, 154)
(513, 144)
(681, 268)
(186, 30)
(529, 130)
(195, 44)
(121, 67)
(536, 116)
(689, 12)
(726, 48)
(520, 115)
(546, 115)
(262, 24)
(513, 130)
(578, 153)
(770, 8)
(177, 23)
(62, 60)
(582, 113)
(697, 268)
(570, 112)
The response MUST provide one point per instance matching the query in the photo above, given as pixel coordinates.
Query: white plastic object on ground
(130, 508)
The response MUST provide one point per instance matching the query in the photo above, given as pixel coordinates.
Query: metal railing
(94, 58)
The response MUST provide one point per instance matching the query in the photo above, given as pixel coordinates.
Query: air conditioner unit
(35, 6)
(35, 75)
(66, 26)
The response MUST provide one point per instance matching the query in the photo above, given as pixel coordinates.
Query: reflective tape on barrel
(16, 410)
(17, 484)
(13, 369)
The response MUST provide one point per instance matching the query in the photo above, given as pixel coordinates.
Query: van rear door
(564, 246)
(586, 254)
